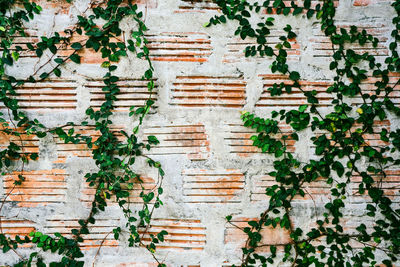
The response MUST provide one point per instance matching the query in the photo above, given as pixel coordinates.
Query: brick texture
(189, 140)
(212, 186)
(203, 91)
(200, 6)
(202, 82)
(148, 184)
(48, 96)
(295, 97)
(80, 150)
(14, 227)
(236, 238)
(237, 138)
(102, 230)
(317, 190)
(236, 46)
(364, 3)
(43, 187)
(30, 142)
(322, 47)
(180, 46)
(184, 234)
(132, 93)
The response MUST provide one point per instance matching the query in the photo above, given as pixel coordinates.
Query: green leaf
(76, 46)
(44, 75)
(294, 76)
(75, 58)
(302, 108)
(15, 56)
(59, 60)
(57, 72)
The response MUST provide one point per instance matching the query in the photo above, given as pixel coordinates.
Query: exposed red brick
(237, 137)
(101, 230)
(322, 46)
(368, 87)
(180, 46)
(81, 149)
(59, 6)
(183, 234)
(296, 97)
(389, 184)
(132, 93)
(89, 55)
(149, 184)
(47, 96)
(203, 91)
(236, 238)
(212, 186)
(33, 37)
(371, 139)
(198, 6)
(42, 187)
(288, 3)
(190, 140)
(30, 143)
(63, 7)
(317, 190)
(362, 2)
(374, 139)
(13, 227)
(236, 46)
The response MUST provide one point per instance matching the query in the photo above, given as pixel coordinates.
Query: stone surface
(212, 170)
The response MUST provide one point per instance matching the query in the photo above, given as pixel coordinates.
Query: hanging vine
(114, 159)
(339, 136)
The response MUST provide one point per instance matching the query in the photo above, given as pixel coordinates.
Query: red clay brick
(187, 139)
(40, 188)
(296, 97)
(149, 185)
(236, 238)
(362, 2)
(212, 186)
(208, 91)
(237, 137)
(180, 46)
(48, 96)
(183, 234)
(133, 92)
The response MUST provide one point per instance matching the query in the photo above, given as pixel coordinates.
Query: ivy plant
(340, 139)
(115, 175)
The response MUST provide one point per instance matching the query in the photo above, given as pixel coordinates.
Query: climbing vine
(340, 134)
(99, 28)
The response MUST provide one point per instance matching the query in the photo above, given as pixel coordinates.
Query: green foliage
(339, 138)
(115, 175)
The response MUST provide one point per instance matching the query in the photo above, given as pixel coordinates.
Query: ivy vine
(339, 136)
(115, 175)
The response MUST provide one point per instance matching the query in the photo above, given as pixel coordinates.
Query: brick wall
(212, 170)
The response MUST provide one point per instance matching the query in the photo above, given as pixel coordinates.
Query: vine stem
(14, 186)
(101, 244)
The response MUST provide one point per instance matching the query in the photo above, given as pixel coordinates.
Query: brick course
(203, 81)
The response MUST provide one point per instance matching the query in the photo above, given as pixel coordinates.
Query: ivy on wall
(115, 174)
(339, 136)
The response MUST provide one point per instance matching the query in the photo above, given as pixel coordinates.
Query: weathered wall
(203, 82)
